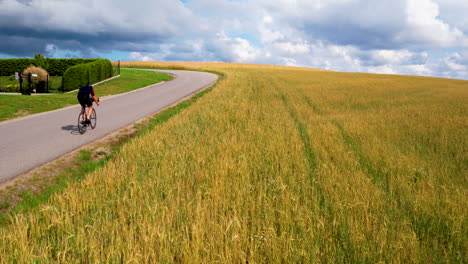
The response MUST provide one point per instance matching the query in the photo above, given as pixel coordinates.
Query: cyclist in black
(86, 96)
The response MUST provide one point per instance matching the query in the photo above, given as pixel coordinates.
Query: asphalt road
(28, 142)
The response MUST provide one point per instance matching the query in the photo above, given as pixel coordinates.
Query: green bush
(40, 61)
(40, 81)
(88, 73)
(55, 67)
(10, 66)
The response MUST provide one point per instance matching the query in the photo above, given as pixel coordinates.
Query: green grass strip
(166, 114)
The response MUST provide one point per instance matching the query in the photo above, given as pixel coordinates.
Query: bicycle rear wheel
(93, 119)
(81, 123)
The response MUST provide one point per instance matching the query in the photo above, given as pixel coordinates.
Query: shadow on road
(72, 128)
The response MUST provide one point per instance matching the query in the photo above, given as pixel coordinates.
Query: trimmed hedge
(10, 66)
(88, 73)
(56, 67)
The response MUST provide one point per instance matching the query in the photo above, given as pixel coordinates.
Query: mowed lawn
(274, 165)
(13, 106)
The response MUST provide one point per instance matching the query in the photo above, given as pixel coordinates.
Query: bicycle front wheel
(93, 119)
(81, 123)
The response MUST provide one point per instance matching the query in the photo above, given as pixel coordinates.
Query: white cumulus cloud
(422, 37)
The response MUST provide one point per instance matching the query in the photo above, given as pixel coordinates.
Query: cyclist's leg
(82, 114)
(90, 110)
(83, 104)
(90, 107)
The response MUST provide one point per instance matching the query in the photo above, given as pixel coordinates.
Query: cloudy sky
(416, 37)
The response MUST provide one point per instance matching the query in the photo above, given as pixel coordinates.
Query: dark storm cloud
(102, 25)
(20, 46)
(24, 41)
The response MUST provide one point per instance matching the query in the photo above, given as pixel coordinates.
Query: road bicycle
(84, 122)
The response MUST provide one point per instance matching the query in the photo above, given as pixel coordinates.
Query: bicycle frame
(84, 122)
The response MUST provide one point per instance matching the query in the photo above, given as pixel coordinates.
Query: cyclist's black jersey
(84, 95)
(85, 92)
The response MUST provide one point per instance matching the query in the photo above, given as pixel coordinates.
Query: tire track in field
(341, 230)
(429, 229)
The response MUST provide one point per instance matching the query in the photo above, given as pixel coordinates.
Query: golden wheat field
(274, 165)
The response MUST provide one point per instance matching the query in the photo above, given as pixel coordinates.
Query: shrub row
(83, 74)
(10, 66)
(55, 67)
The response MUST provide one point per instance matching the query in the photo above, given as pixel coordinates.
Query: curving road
(28, 142)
